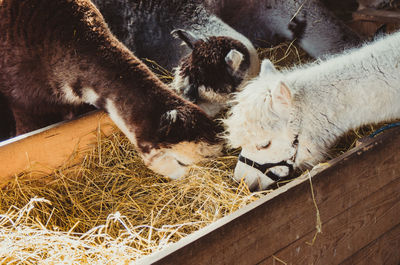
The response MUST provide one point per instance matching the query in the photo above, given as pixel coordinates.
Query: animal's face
(261, 124)
(174, 161)
(184, 136)
(215, 68)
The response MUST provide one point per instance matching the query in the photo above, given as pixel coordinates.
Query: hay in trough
(112, 200)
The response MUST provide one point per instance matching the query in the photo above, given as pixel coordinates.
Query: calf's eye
(181, 163)
(264, 146)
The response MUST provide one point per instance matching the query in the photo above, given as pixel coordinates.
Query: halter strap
(264, 168)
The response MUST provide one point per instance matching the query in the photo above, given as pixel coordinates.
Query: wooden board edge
(46, 149)
(383, 16)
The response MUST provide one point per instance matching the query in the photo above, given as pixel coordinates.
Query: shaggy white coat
(318, 102)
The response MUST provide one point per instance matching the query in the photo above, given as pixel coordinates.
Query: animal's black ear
(186, 36)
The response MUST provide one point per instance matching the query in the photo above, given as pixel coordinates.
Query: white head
(175, 160)
(263, 123)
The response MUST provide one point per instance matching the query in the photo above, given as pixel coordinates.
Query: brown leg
(7, 122)
(27, 121)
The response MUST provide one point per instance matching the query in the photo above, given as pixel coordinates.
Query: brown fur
(208, 58)
(48, 44)
(7, 123)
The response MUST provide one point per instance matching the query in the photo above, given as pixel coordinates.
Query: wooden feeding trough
(344, 213)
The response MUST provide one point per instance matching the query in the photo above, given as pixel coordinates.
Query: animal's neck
(346, 92)
(90, 65)
(114, 80)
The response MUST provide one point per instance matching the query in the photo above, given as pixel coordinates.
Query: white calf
(289, 119)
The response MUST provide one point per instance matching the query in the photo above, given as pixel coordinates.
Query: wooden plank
(365, 28)
(49, 148)
(259, 230)
(348, 232)
(384, 16)
(380, 251)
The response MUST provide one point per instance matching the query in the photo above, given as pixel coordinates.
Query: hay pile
(286, 54)
(111, 209)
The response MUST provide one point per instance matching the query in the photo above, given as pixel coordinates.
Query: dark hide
(7, 123)
(268, 22)
(144, 26)
(47, 45)
(206, 66)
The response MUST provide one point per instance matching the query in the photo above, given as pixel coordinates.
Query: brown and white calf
(215, 69)
(56, 55)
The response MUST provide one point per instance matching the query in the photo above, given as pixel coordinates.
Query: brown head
(216, 68)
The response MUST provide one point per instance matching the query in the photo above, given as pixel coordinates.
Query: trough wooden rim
(192, 248)
(46, 149)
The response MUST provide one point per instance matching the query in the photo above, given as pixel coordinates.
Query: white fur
(234, 58)
(211, 96)
(69, 95)
(327, 99)
(172, 115)
(88, 95)
(173, 161)
(179, 83)
(163, 161)
(119, 121)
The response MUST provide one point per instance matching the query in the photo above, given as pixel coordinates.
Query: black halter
(264, 168)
